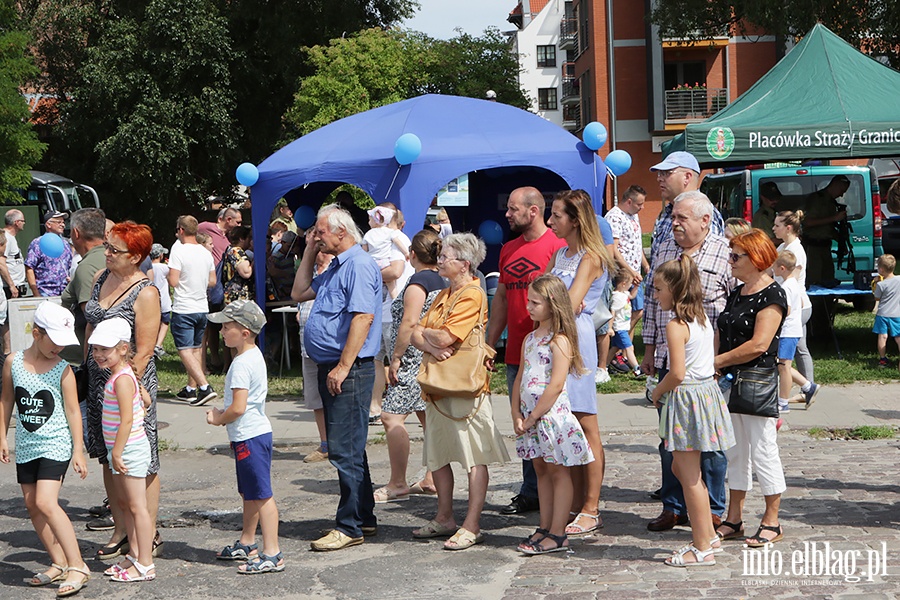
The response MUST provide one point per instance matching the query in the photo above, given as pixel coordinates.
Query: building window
(547, 98)
(546, 56)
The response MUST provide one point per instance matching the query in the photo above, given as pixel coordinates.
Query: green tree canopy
(873, 26)
(19, 145)
(377, 67)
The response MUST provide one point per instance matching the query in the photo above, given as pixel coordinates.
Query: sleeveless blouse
(98, 377)
(42, 429)
(112, 417)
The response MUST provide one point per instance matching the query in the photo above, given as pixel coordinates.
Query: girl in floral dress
(695, 418)
(548, 433)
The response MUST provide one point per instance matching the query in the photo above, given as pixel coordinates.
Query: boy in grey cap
(250, 434)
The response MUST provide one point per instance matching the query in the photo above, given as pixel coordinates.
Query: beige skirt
(469, 442)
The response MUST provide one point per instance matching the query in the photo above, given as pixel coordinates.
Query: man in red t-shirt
(521, 261)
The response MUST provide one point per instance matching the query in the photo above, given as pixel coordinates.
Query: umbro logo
(523, 269)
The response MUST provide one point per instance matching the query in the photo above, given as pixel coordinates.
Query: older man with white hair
(692, 214)
(342, 335)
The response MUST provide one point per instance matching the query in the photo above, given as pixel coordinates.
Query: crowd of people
(373, 306)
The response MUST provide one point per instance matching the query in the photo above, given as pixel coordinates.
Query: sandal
(417, 489)
(386, 494)
(463, 539)
(575, 529)
(39, 579)
(433, 529)
(263, 564)
(737, 530)
(677, 558)
(157, 546)
(74, 586)
(144, 574)
(758, 541)
(113, 550)
(119, 566)
(535, 547)
(238, 551)
(530, 539)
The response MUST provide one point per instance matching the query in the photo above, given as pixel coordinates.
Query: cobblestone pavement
(843, 493)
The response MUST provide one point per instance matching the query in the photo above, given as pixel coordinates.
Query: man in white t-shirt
(629, 248)
(14, 277)
(191, 273)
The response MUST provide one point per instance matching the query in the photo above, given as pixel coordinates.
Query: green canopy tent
(825, 99)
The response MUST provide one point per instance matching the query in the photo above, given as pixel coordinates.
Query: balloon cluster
(247, 174)
(407, 148)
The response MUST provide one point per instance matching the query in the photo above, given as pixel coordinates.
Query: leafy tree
(19, 145)
(378, 67)
(871, 25)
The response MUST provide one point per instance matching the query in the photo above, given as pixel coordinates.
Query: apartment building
(612, 67)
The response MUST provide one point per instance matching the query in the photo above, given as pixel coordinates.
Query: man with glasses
(691, 218)
(47, 275)
(12, 267)
(679, 172)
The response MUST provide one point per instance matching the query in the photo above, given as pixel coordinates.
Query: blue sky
(438, 18)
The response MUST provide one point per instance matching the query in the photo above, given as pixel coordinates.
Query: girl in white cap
(48, 437)
(129, 449)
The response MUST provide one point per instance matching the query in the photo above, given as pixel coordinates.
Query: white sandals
(677, 558)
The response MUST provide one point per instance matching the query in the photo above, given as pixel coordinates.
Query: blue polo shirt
(351, 284)
(605, 230)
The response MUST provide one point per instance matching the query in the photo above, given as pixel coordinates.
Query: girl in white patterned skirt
(548, 433)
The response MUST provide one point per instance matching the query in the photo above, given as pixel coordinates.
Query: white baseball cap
(110, 332)
(58, 322)
(678, 159)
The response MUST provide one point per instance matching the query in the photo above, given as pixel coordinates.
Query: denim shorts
(136, 457)
(787, 347)
(621, 340)
(187, 330)
(637, 303)
(253, 465)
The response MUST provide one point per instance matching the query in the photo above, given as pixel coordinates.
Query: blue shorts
(253, 465)
(637, 303)
(621, 340)
(187, 330)
(787, 347)
(165, 317)
(887, 325)
(136, 457)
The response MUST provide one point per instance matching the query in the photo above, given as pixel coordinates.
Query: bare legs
(263, 513)
(190, 357)
(588, 479)
(398, 451)
(686, 466)
(131, 494)
(52, 524)
(478, 484)
(555, 494)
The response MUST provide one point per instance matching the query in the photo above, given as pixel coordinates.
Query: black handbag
(755, 392)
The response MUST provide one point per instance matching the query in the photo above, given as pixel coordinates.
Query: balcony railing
(572, 117)
(571, 92)
(688, 106)
(568, 34)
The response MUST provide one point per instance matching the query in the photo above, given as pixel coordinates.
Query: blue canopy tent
(458, 135)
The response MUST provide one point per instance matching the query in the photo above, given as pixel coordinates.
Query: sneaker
(784, 407)
(316, 456)
(204, 395)
(619, 365)
(101, 510)
(374, 420)
(883, 362)
(158, 352)
(186, 395)
(810, 396)
(602, 376)
(101, 524)
(638, 374)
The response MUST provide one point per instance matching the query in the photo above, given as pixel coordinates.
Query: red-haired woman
(584, 266)
(122, 290)
(749, 329)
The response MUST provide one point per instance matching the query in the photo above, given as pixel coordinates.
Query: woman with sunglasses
(122, 290)
(749, 330)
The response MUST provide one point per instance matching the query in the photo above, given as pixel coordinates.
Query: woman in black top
(749, 329)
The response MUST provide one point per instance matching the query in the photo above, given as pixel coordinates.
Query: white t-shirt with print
(627, 229)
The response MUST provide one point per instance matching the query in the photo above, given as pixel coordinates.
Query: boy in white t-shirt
(620, 307)
(250, 434)
(791, 331)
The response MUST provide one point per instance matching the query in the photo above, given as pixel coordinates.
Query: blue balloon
(407, 148)
(594, 135)
(247, 174)
(305, 216)
(51, 245)
(618, 162)
(491, 232)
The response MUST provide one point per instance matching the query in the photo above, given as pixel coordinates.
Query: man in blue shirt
(342, 335)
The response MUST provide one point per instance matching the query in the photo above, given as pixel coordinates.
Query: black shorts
(41, 468)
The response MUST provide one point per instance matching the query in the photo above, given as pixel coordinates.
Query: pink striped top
(111, 418)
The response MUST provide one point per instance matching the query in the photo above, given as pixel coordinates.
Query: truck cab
(49, 191)
(736, 194)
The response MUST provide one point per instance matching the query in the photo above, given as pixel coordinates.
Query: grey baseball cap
(243, 312)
